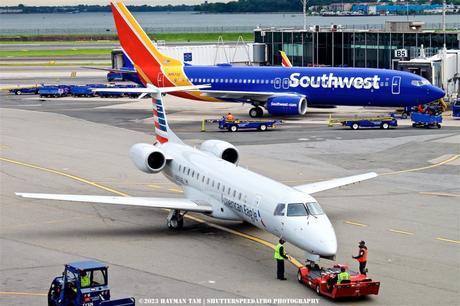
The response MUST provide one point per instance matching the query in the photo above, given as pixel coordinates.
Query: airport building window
(279, 210)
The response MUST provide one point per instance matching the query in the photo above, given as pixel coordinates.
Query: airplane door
(396, 85)
(277, 83)
(280, 218)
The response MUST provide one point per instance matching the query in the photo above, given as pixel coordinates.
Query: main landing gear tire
(256, 112)
(175, 220)
(355, 126)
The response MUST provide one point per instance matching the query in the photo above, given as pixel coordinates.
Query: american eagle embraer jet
(280, 90)
(214, 184)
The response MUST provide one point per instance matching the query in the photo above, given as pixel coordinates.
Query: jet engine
(221, 149)
(287, 105)
(147, 158)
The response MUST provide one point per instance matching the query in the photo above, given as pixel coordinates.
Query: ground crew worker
(343, 275)
(84, 279)
(230, 117)
(280, 256)
(362, 257)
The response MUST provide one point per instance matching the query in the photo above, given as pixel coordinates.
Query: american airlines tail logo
(331, 81)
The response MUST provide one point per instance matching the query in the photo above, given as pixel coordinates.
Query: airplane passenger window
(314, 208)
(257, 81)
(212, 183)
(244, 81)
(296, 209)
(180, 167)
(202, 180)
(197, 176)
(279, 210)
(212, 80)
(199, 80)
(231, 80)
(221, 80)
(234, 193)
(223, 188)
(207, 182)
(218, 185)
(229, 189)
(188, 171)
(239, 196)
(253, 81)
(240, 81)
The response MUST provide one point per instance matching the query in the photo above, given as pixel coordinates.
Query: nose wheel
(256, 112)
(175, 219)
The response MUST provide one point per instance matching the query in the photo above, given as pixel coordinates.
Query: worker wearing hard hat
(280, 256)
(362, 257)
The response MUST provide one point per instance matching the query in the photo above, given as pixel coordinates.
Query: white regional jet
(214, 184)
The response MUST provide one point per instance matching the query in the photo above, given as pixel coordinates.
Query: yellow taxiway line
(452, 158)
(293, 260)
(448, 240)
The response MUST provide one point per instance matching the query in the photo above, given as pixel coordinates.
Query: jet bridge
(442, 70)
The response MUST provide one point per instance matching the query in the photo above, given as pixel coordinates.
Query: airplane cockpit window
(279, 210)
(314, 208)
(420, 82)
(296, 210)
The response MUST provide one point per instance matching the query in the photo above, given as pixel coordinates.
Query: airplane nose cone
(328, 243)
(437, 93)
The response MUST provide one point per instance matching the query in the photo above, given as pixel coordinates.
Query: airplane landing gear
(175, 219)
(256, 112)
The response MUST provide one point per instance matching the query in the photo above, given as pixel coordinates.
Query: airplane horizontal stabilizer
(111, 69)
(334, 183)
(170, 203)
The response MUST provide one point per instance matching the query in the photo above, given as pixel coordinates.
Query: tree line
(239, 6)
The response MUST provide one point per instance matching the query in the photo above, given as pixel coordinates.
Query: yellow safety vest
(343, 276)
(277, 252)
(84, 281)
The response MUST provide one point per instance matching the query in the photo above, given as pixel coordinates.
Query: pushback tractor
(84, 283)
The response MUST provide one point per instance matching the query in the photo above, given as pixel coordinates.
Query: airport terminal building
(337, 47)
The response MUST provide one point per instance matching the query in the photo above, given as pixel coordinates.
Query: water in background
(98, 23)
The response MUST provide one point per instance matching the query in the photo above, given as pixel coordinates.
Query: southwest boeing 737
(214, 184)
(280, 90)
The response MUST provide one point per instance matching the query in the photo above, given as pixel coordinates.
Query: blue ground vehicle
(356, 123)
(81, 91)
(55, 91)
(68, 289)
(25, 90)
(426, 120)
(456, 109)
(235, 125)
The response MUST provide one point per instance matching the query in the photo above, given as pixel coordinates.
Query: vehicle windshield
(96, 278)
(314, 208)
(420, 82)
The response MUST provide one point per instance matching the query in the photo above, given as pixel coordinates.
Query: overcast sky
(101, 2)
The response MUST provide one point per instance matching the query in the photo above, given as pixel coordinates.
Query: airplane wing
(250, 95)
(171, 203)
(334, 183)
(285, 62)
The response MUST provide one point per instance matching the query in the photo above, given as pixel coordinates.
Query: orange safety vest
(364, 257)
